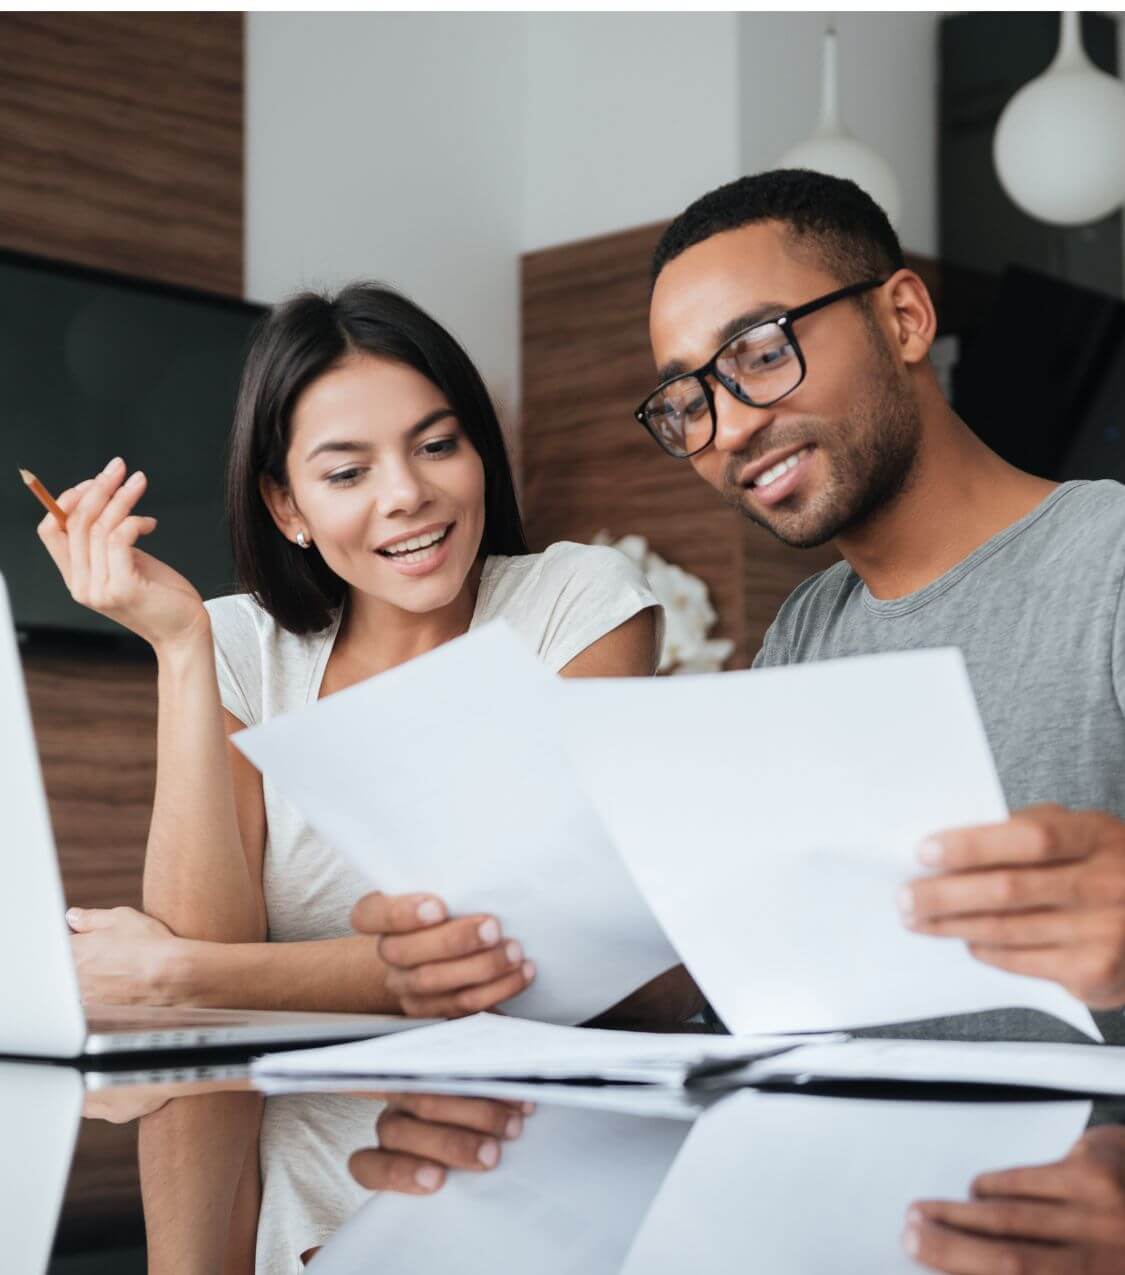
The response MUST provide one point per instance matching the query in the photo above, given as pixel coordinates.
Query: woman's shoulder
(565, 598)
(565, 564)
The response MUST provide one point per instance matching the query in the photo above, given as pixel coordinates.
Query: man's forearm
(670, 998)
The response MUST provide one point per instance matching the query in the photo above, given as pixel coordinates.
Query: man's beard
(871, 454)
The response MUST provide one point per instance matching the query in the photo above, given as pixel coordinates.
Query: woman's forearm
(196, 879)
(342, 975)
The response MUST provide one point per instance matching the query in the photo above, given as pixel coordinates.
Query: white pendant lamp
(1059, 148)
(833, 150)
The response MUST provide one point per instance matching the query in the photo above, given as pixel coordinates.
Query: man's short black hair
(841, 225)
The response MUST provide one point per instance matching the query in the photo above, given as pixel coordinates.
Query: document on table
(496, 1046)
(447, 775)
(567, 1199)
(808, 1184)
(771, 816)
(1077, 1069)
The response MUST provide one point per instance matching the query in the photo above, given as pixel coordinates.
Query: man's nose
(736, 422)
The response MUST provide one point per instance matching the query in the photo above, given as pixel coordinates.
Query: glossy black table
(782, 1181)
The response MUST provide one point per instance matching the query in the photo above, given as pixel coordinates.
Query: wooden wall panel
(121, 142)
(589, 466)
(95, 724)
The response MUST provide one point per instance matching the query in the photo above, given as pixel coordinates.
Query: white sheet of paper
(798, 1185)
(770, 817)
(1082, 1069)
(447, 775)
(567, 1199)
(494, 1046)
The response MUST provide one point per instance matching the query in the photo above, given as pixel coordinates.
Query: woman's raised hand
(437, 967)
(105, 571)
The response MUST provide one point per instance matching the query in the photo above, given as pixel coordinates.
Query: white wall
(390, 145)
(888, 71)
(431, 149)
(630, 116)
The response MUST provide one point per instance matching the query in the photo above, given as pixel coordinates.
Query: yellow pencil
(43, 496)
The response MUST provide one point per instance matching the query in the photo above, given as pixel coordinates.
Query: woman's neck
(375, 635)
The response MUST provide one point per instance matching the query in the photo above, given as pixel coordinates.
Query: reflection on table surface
(603, 1179)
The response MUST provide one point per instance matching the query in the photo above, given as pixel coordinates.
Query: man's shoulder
(806, 610)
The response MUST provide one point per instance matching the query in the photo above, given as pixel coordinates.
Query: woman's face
(385, 482)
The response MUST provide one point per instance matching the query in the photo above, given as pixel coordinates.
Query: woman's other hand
(125, 957)
(421, 1136)
(437, 967)
(105, 571)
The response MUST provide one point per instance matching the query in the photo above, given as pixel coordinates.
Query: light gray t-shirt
(1037, 612)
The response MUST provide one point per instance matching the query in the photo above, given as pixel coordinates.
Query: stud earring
(303, 541)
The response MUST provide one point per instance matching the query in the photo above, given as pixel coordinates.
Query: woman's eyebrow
(354, 445)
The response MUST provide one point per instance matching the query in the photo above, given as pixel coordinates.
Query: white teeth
(415, 543)
(772, 474)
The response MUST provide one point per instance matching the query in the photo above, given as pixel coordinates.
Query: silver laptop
(41, 1012)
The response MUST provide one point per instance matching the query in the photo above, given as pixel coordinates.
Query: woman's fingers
(446, 1144)
(470, 971)
(54, 537)
(445, 942)
(102, 532)
(469, 1000)
(485, 1115)
(78, 524)
(380, 1170)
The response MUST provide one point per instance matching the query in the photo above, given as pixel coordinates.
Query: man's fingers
(379, 1170)
(484, 1115)
(445, 1144)
(1047, 927)
(1037, 834)
(998, 890)
(396, 914)
(1026, 1219)
(470, 1000)
(945, 1248)
(448, 941)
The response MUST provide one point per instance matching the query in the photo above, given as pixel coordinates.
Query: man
(792, 348)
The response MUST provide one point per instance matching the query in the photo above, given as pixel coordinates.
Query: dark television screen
(92, 366)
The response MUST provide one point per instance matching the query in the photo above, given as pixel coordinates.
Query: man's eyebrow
(767, 310)
(353, 446)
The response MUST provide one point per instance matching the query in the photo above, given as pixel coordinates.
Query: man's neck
(960, 494)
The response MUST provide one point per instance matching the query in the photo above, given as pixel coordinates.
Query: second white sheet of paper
(771, 816)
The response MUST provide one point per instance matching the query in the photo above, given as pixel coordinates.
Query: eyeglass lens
(759, 366)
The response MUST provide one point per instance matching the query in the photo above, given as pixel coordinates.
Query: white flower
(689, 615)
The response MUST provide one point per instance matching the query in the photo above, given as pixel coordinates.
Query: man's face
(852, 424)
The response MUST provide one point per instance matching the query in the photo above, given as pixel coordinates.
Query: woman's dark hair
(298, 341)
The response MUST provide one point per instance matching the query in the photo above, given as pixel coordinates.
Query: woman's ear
(279, 501)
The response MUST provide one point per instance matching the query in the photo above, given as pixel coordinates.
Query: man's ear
(913, 316)
(279, 501)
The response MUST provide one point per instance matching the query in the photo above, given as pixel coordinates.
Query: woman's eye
(344, 477)
(439, 447)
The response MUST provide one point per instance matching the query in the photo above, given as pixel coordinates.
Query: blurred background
(165, 176)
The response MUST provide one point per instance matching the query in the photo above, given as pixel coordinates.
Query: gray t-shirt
(1037, 613)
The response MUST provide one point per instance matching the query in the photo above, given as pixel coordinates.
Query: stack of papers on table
(493, 1046)
(488, 1048)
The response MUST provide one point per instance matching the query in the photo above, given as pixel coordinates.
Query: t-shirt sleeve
(590, 590)
(1117, 656)
(238, 659)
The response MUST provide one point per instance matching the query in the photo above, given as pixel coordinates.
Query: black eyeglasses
(758, 365)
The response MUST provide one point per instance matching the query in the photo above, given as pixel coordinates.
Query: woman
(374, 517)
